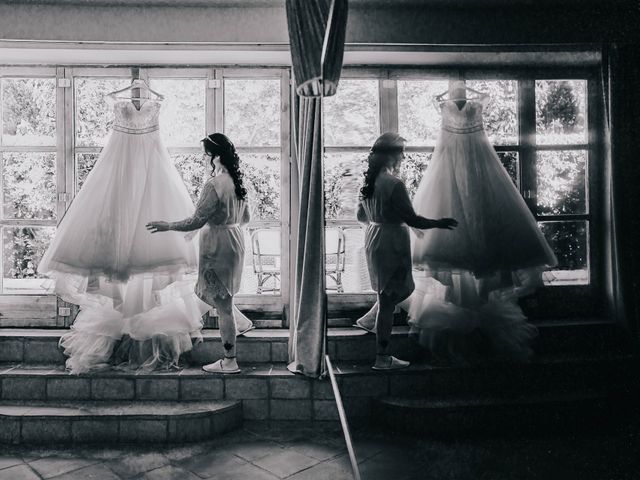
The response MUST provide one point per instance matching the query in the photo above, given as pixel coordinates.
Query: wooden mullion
(347, 149)
(568, 146)
(564, 218)
(595, 188)
(527, 133)
(219, 101)
(285, 196)
(29, 149)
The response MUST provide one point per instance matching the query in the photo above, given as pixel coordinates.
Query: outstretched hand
(154, 227)
(448, 223)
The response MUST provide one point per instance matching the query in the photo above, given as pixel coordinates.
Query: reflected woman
(221, 211)
(385, 208)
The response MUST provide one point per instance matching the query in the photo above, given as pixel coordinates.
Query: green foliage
(27, 245)
(29, 111)
(263, 187)
(252, 117)
(351, 116)
(412, 169)
(252, 111)
(560, 107)
(93, 112)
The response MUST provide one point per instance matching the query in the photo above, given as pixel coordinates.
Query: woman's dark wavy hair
(218, 144)
(376, 161)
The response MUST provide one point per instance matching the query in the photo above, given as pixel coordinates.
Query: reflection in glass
(28, 111)
(562, 180)
(351, 117)
(94, 114)
(182, 117)
(569, 240)
(561, 111)
(252, 111)
(29, 185)
(22, 249)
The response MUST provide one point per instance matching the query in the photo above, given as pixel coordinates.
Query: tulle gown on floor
(466, 295)
(130, 284)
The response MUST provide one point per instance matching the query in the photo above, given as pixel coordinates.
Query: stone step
(40, 346)
(547, 412)
(116, 422)
(271, 392)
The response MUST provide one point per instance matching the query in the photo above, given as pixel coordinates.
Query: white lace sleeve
(207, 205)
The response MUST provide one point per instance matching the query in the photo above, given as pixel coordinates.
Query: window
(351, 125)
(538, 124)
(55, 123)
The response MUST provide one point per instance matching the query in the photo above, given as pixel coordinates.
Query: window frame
(33, 309)
(36, 310)
(585, 301)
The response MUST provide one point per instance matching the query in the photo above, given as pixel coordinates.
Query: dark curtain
(620, 77)
(316, 31)
(307, 330)
(308, 21)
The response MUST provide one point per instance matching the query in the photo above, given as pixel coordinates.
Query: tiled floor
(261, 453)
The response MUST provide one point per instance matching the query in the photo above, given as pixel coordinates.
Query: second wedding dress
(472, 276)
(130, 285)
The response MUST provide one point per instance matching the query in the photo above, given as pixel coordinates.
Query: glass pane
(94, 115)
(262, 262)
(570, 242)
(252, 111)
(561, 111)
(510, 163)
(343, 177)
(418, 118)
(84, 164)
(562, 182)
(28, 111)
(193, 170)
(345, 260)
(182, 117)
(29, 185)
(23, 248)
(413, 168)
(351, 117)
(501, 113)
(262, 181)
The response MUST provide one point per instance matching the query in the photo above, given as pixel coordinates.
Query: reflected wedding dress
(130, 285)
(471, 277)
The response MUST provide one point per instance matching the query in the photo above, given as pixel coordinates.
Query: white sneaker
(388, 362)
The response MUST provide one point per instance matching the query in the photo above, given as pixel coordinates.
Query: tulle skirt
(465, 305)
(459, 319)
(135, 289)
(496, 231)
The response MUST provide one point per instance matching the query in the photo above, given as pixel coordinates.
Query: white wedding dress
(130, 284)
(465, 302)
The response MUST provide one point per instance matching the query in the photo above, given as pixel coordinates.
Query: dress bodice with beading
(128, 119)
(462, 120)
